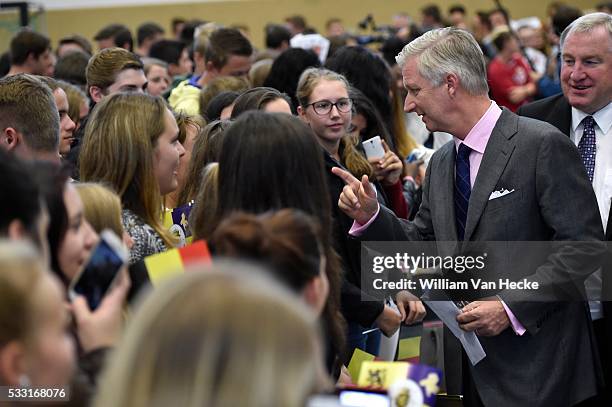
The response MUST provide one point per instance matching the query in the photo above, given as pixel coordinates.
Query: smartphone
(373, 148)
(101, 270)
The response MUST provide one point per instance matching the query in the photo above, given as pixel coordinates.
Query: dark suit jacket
(554, 110)
(554, 363)
(557, 111)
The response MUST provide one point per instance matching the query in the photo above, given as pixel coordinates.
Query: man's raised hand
(358, 198)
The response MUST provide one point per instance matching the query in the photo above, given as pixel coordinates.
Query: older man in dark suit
(538, 353)
(583, 112)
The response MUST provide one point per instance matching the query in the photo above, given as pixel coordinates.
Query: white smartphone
(373, 148)
(101, 270)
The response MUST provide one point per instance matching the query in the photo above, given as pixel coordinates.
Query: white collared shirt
(602, 183)
(602, 177)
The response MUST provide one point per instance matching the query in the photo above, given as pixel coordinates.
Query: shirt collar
(479, 135)
(193, 81)
(602, 117)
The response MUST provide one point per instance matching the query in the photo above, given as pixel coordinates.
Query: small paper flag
(409, 349)
(172, 262)
(357, 360)
(381, 375)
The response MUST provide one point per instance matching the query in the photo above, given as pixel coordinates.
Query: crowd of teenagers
(246, 140)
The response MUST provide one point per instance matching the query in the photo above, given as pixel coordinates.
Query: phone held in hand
(100, 272)
(373, 148)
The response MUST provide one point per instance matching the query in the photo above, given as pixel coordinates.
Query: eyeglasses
(323, 107)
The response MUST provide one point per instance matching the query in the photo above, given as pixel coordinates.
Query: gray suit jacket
(554, 363)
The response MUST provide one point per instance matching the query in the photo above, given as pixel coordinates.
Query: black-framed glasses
(323, 107)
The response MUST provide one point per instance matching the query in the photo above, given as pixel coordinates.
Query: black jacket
(354, 308)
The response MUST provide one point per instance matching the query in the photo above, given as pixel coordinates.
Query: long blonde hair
(404, 142)
(21, 271)
(221, 336)
(101, 207)
(206, 202)
(120, 138)
(352, 159)
(205, 151)
(184, 121)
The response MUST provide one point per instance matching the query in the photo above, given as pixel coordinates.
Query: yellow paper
(168, 218)
(382, 374)
(357, 360)
(164, 265)
(409, 348)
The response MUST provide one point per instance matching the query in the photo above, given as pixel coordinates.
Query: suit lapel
(496, 156)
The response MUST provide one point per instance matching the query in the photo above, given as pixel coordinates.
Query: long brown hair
(205, 151)
(271, 161)
(120, 138)
(184, 121)
(403, 140)
(206, 203)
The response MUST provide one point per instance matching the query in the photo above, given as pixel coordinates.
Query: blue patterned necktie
(586, 146)
(463, 189)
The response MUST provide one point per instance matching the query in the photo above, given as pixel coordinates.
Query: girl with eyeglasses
(325, 105)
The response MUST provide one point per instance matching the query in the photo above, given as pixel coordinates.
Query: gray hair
(449, 50)
(587, 23)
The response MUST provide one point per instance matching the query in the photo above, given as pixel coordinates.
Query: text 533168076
(8, 393)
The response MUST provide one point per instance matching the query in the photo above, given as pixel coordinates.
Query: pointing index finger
(346, 176)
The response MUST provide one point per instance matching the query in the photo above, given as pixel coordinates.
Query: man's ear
(96, 93)
(452, 84)
(12, 360)
(11, 138)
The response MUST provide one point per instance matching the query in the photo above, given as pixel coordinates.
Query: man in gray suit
(538, 353)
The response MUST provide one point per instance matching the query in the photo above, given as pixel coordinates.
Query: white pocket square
(500, 193)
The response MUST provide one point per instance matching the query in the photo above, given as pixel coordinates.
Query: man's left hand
(486, 318)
